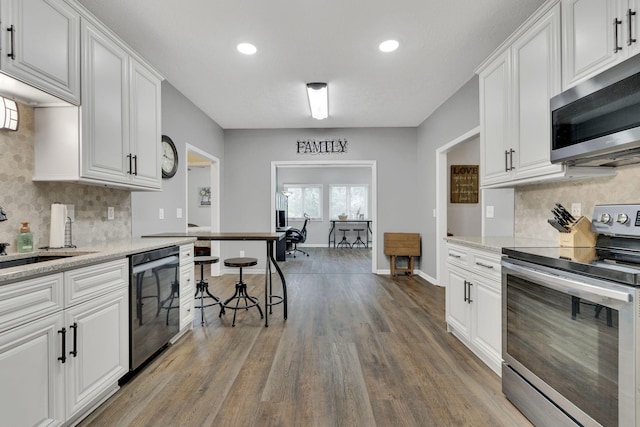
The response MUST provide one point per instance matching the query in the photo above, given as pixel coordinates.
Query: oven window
(569, 343)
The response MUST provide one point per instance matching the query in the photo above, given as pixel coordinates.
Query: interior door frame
(334, 163)
(441, 200)
(215, 196)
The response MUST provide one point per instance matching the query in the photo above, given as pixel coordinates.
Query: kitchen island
(269, 238)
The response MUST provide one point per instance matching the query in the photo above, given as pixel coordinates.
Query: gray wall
(464, 219)
(458, 115)
(184, 123)
(318, 231)
(247, 172)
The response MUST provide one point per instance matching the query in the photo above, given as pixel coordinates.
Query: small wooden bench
(404, 245)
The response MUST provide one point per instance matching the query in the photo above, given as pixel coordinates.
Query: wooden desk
(270, 239)
(360, 221)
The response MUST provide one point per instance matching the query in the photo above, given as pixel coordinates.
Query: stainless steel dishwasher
(154, 315)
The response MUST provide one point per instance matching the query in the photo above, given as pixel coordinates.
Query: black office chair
(295, 236)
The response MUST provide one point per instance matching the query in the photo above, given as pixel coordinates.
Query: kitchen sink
(30, 260)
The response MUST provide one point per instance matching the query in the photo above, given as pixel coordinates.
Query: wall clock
(169, 157)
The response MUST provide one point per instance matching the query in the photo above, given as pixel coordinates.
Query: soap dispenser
(25, 239)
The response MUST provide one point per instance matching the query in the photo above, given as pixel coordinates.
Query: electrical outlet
(179, 213)
(111, 213)
(161, 213)
(490, 211)
(241, 254)
(576, 209)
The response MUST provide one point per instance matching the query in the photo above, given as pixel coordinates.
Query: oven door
(573, 339)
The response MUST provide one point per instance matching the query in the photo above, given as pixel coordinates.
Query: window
(351, 200)
(304, 198)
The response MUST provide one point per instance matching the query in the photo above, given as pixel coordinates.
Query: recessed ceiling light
(389, 45)
(247, 48)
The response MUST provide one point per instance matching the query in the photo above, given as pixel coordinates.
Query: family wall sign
(324, 146)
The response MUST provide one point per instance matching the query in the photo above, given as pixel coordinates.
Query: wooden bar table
(270, 239)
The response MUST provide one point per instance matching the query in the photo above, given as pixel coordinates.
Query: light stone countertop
(495, 244)
(80, 257)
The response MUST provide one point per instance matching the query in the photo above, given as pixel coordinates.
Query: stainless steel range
(571, 320)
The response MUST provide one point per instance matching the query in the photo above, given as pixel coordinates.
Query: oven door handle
(572, 287)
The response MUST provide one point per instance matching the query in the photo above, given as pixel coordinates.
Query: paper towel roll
(58, 221)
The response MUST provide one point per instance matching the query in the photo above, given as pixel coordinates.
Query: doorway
(202, 195)
(371, 165)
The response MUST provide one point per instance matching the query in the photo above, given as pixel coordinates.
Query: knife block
(580, 234)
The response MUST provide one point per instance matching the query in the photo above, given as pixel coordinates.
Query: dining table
(269, 238)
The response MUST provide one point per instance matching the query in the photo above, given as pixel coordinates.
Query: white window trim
(366, 186)
(311, 218)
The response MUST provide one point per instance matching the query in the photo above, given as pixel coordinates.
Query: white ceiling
(192, 43)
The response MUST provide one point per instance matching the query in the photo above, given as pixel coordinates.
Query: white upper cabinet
(113, 139)
(41, 45)
(596, 34)
(105, 107)
(515, 88)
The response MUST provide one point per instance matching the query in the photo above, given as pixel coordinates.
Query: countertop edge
(84, 256)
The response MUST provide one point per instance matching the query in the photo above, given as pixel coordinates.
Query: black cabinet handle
(455, 256)
(130, 160)
(511, 151)
(135, 165)
(74, 352)
(630, 39)
(484, 265)
(469, 300)
(465, 291)
(506, 160)
(12, 54)
(63, 358)
(616, 22)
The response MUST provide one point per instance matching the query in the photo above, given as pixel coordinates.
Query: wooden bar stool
(241, 289)
(202, 287)
(358, 240)
(344, 243)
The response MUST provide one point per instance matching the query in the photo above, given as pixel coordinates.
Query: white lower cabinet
(56, 366)
(473, 302)
(31, 376)
(97, 356)
(187, 287)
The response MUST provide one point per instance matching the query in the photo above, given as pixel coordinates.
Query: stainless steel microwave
(597, 122)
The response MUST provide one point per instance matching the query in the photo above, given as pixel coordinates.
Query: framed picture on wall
(464, 183)
(204, 193)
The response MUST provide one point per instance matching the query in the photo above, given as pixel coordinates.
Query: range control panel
(616, 220)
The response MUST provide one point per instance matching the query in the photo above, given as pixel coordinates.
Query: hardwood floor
(358, 349)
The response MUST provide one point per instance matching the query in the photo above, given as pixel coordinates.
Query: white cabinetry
(515, 88)
(596, 34)
(473, 302)
(41, 45)
(113, 139)
(516, 85)
(187, 287)
(57, 361)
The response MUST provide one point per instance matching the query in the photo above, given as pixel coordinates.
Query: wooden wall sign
(325, 146)
(464, 183)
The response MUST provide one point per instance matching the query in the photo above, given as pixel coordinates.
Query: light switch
(489, 211)
(111, 213)
(179, 213)
(161, 213)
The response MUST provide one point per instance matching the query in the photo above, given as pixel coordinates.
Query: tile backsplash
(25, 200)
(533, 203)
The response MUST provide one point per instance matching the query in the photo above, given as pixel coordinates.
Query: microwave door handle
(596, 294)
(616, 22)
(630, 39)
